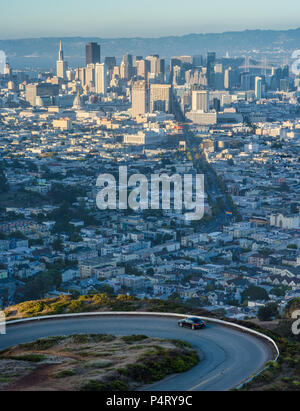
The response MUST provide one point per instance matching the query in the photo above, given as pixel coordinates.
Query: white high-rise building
(61, 65)
(200, 101)
(140, 97)
(90, 76)
(101, 78)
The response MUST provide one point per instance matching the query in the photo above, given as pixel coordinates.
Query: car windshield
(196, 320)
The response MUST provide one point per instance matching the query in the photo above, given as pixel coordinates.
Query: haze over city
(134, 18)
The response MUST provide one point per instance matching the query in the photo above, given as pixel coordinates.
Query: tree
(268, 312)
(278, 291)
(255, 293)
(75, 238)
(150, 272)
(292, 246)
(58, 245)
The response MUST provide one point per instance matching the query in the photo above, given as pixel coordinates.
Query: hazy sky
(131, 18)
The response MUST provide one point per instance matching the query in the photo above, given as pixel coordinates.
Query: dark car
(193, 323)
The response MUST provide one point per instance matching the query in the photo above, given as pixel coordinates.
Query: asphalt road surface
(228, 357)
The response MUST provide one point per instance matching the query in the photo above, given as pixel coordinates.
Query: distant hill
(42, 52)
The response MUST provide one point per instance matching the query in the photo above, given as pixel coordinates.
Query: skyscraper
(90, 76)
(200, 100)
(229, 78)
(258, 88)
(157, 65)
(110, 62)
(93, 53)
(101, 78)
(61, 65)
(211, 59)
(140, 98)
(161, 98)
(143, 68)
(127, 66)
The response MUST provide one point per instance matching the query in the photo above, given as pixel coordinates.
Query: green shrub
(115, 385)
(43, 344)
(65, 374)
(28, 357)
(131, 339)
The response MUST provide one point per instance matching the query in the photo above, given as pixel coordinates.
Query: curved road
(228, 357)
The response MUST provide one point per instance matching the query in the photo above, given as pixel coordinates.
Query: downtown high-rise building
(140, 98)
(127, 67)
(143, 68)
(101, 78)
(258, 88)
(61, 65)
(110, 62)
(200, 100)
(157, 65)
(211, 60)
(90, 76)
(161, 98)
(93, 53)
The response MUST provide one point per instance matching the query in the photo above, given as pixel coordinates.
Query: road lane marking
(208, 380)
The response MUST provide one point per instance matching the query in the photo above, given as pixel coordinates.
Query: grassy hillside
(97, 302)
(92, 363)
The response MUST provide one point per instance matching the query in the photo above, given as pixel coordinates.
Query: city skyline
(33, 19)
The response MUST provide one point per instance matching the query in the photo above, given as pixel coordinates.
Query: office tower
(140, 98)
(175, 61)
(217, 105)
(161, 98)
(258, 88)
(127, 67)
(219, 81)
(143, 68)
(229, 77)
(197, 61)
(43, 91)
(211, 59)
(110, 62)
(163, 67)
(70, 74)
(90, 76)
(219, 77)
(177, 75)
(200, 100)
(101, 78)
(61, 65)
(93, 53)
(154, 64)
(82, 76)
(136, 59)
